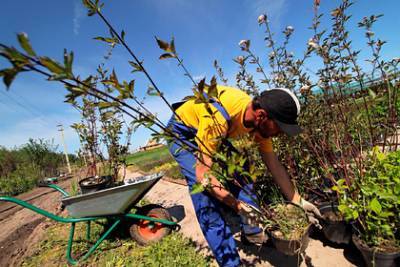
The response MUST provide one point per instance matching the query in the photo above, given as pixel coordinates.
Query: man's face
(266, 127)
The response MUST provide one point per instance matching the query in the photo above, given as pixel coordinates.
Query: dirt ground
(22, 228)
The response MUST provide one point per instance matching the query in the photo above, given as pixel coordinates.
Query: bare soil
(22, 228)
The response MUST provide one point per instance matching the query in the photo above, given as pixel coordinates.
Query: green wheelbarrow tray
(112, 204)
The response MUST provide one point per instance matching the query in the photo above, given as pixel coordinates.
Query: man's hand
(312, 212)
(250, 214)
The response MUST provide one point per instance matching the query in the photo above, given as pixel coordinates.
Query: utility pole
(61, 129)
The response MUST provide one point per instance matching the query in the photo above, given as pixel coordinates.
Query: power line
(30, 111)
(31, 106)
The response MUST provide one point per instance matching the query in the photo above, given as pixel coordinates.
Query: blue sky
(203, 30)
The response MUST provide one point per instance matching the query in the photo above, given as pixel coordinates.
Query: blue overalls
(207, 208)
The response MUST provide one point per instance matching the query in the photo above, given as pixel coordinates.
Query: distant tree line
(21, 167)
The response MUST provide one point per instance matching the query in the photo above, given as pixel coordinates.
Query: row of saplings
(365, 212)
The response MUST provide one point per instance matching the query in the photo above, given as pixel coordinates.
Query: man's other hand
(250, 214)
(312, 212)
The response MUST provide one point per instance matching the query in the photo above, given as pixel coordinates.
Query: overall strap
(220, 108)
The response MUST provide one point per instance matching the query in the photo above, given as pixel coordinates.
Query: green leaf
(163, 45)
(104, 105)
(166, 55)
(172, 46)
(371, 93)
(191, 97)
(52, 65)
(8, 76)
(68, 59)
(92, 8)
(197, 188)
(201, 85)
(355, 214)
(136, 66)
(123, 35)
(74, 89)
(151, 91)
(107, 40)
(24, 42)
(212, 89)
(375, 206)
(342, 208)
(131, 87)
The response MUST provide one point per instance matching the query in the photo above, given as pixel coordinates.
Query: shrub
(373, 201)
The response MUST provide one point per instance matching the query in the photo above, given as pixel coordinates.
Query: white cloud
(79, 14)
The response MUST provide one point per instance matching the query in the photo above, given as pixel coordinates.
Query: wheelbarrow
(149, 224)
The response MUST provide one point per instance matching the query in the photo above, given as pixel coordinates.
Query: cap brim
(289, 129)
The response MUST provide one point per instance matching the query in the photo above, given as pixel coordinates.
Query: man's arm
(216, 188)
(280, 176)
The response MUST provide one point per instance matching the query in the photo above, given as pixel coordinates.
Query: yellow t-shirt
(209, 129)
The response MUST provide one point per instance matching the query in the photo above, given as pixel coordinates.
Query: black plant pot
(93, 184)
(291, 247)
(337, 231)
(381, 259)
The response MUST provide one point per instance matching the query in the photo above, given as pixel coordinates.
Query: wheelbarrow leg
(88, 230)
(93, 248)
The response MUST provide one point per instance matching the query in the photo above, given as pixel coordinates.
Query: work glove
(250, 215)
(312, 212)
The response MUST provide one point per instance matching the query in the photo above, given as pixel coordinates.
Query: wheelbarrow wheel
(145, 232)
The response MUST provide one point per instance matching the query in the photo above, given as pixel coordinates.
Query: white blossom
(239, 59)
(290, 28)
(312, 43)
(262, 18)
(244, 45)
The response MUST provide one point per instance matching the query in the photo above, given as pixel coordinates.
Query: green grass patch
(173, 250)
(147, 160)
(156, 160)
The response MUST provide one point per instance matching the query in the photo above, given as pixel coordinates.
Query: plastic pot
(93, 184)
(291, 247)
(335, 231)
(375, 258)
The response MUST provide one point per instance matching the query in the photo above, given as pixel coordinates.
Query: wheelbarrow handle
(59, 189)
(44, 212)
(42, 183)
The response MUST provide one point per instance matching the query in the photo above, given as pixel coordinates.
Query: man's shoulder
(222, 89)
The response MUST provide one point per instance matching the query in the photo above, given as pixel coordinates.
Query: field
(155, 160)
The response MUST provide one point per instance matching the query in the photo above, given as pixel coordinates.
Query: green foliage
(174, 250)
(149, 159)
(290, 221)
(170, 169)
(373, 201)
(344, 110)
(21, 168)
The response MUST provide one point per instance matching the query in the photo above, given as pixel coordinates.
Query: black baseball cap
(283, 107)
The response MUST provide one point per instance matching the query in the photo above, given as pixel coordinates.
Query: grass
(173, 250)
(146, 160)
(291, 221)
(155, 160)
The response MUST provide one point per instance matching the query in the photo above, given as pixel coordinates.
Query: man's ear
(261, 114)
